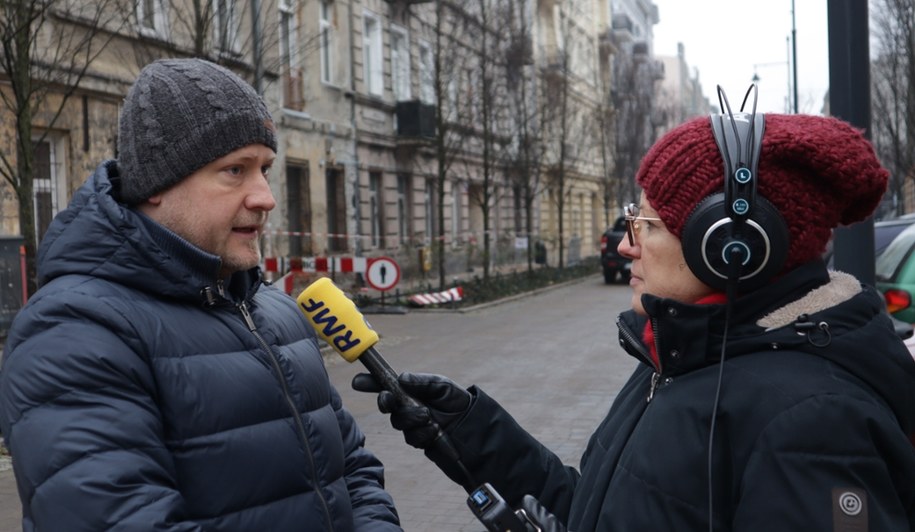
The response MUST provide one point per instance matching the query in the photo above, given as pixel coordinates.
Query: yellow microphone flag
(336, 319)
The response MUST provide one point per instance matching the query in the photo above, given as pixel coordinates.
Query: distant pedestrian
(771, 394)
(154, 382)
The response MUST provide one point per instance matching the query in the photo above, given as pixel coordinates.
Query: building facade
(450, 136)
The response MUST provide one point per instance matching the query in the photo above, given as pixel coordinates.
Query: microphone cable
(731, 296)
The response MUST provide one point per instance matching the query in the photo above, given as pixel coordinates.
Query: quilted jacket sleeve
(373, 508)
(77, 411)
(496, 449)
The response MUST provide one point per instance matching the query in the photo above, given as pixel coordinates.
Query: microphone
(339, 323)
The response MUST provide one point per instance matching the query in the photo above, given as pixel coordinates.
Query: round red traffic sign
(382, 273)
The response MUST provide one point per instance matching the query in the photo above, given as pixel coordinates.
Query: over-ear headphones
(736, 235)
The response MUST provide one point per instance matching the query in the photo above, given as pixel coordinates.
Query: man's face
(221, 208)
(658, 265)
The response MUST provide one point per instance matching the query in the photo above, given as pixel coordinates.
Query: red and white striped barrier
(316, 264)
(435, 298)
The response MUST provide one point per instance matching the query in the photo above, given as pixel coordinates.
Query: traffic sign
(382, 273)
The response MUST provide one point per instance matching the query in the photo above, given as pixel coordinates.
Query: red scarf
(717, 298)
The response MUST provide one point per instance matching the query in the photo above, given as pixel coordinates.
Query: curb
(508, 299)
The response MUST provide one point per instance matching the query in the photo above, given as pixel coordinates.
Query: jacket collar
(689, 336)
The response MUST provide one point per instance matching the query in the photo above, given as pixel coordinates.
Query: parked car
(612, 263)
(884, 233)
(895, 275)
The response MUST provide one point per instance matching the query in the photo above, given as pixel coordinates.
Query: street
(551, 359)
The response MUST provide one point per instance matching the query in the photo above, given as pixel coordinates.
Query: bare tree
(48, 47)
(567, 119)
(449, 27)
(633, 110)
(893, 92)
(522, 158)
(491, 87)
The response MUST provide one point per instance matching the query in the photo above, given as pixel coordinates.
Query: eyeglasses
(633, 227)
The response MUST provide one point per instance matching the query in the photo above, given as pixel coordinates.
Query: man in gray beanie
(154, 382)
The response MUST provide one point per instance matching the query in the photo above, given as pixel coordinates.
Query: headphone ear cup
(710, 233)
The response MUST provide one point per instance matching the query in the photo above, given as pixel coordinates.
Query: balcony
(415, 119)
(622, 28)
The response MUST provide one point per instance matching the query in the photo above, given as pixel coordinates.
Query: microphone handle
(387, 378)
(385, 375)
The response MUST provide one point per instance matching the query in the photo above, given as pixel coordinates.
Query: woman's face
(658, 266)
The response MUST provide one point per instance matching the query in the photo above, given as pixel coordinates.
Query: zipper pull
(655, 379)
(243, 308)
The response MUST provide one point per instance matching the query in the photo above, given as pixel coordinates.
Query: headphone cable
(731, 293)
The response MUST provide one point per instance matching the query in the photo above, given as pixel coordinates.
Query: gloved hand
(540, 515)
(443, 402)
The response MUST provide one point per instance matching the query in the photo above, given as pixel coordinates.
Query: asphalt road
(552, 359)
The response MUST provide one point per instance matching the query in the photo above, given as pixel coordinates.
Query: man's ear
(155, 200)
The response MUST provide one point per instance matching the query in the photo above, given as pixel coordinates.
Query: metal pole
(849, 99)
(257, 48)
(788, 73)
(23, 275)
(794, 54)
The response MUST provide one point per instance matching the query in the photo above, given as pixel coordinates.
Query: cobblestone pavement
(552, 359)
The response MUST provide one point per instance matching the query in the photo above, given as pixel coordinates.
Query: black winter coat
(137, 393)
(813, 429)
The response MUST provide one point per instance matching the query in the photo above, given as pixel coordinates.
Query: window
(49, 183)
(227, 26)
(327, 42)
(404, 207)
(376, 208)
(400, 64)
(430, 212)
(293, 89)
(470, 84)
(453, 96)
(336, 210)
(426, 74)
(150, 17)
(371, 50)
(518, 206)
(298, 208)
(456, 190)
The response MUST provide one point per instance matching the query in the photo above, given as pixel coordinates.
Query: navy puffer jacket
(137, 393)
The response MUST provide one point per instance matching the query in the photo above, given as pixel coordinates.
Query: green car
(895, 275)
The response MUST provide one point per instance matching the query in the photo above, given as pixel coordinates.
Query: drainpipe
(357, 241)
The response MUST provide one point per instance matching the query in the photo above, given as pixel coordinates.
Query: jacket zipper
(637, 346)
(243, 308)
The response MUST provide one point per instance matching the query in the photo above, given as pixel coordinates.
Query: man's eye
(234, 170)
(266, 170)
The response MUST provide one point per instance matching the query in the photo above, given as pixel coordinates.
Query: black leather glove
(442, 401)
(540, 515)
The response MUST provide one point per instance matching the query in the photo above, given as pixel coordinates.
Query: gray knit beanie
(179, 116)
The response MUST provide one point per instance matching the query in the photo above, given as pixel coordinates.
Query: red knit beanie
(818, 172)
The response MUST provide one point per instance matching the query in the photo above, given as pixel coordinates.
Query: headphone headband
(736, 235)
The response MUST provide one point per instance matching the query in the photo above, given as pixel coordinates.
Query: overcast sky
(724, 39)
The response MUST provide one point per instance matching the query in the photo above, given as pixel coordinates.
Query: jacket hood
(99, 236)
(810, 310)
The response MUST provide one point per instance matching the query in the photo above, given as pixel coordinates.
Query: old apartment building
(425, 131)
